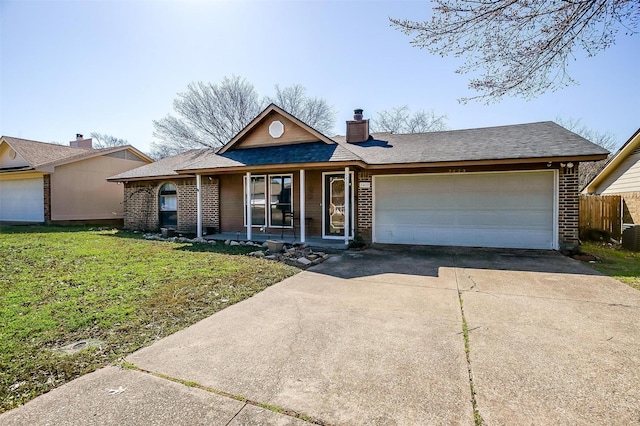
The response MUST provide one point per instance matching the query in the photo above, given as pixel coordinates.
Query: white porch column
(199, 205)
(302, 209)
(347, 207)
(247, 198)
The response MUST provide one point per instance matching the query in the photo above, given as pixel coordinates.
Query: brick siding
(141, 204)
(568, 208)
(46, 186)
(210, 203)
(631, 207)
(364, 200)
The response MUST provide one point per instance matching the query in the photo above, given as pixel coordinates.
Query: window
(258, 201)
(281, 206)
(168, 205)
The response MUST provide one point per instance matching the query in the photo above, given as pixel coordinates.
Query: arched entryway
(168, 200)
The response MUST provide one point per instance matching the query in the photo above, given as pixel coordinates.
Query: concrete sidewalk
(375, 338)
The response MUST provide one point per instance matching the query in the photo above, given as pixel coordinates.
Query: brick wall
(46, 183)
(568, 208)
(365, 207)
(187, 206)
(141, 204)
(210, 203)
(631, 207)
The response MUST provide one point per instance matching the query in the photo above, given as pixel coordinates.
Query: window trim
(290, 226)
(244, 200)
(267, 219)
(169, 193)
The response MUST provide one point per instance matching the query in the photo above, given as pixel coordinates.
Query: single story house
(621, 176)
(508, 186)
(45, 182)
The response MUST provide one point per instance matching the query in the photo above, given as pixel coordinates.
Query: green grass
(616, 262)
(59, 285)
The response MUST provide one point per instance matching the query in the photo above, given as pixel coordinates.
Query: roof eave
(632, 143)
(149, 178)
(489, 162)
(315, 165)
(98, 153)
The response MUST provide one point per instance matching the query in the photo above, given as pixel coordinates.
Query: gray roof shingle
(165, 167)
(42, 154)
(312, 152)
(532, 140)
(39, 154)
(515, 142)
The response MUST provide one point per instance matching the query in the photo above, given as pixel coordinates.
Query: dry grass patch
(616, 262)
(60, 285)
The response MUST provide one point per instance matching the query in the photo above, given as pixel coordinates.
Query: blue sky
(112, 67)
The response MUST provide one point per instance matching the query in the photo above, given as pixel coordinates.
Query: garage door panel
(491, 210)
(22, 200)
(509, 238)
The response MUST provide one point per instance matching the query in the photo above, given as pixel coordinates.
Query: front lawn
(613, 260)
(60, 285)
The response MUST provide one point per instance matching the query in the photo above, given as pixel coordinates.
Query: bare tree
(163, 150)
(521, 47)
(588, 170)
(102, 140)
(400, 120)
(313, 111)
(210, 115)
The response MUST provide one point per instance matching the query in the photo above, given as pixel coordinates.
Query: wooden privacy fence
(602, 212)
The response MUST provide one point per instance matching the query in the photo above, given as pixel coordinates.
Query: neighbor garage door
(22, 200)
(514, 209)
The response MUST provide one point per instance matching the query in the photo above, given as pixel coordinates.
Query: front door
(334, 208)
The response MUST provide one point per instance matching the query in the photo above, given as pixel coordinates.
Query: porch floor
(288, 238)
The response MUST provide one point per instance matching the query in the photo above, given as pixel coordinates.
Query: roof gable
(46, 156)
(626, 157)
(10, 159)
(274, 127)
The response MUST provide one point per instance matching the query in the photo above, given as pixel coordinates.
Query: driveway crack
(236, 414)
(467, 349)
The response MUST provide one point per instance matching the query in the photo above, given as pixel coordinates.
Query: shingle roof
(312, 152)
(533, 140)
(41, 154)
(165, 167)
(515, 142)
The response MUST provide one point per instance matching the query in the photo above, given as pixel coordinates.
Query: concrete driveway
(377, 338)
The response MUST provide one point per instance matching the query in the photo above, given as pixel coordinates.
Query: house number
(457, 170)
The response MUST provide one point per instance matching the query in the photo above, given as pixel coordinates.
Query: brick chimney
(80, 142)
(357, 129)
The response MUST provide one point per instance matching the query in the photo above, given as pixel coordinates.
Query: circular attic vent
(276, 129)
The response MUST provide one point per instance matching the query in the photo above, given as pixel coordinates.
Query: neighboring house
(45, 182)
(509, 186)
(621, 176)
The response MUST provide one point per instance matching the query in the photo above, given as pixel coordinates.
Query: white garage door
(22, 200)
(513, 210)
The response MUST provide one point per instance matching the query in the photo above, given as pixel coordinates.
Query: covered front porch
(312, 206)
